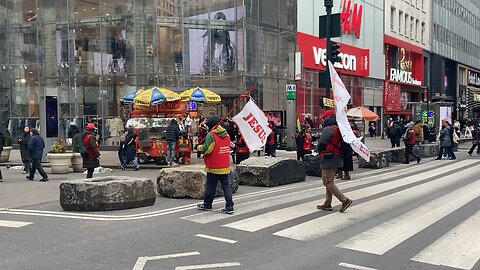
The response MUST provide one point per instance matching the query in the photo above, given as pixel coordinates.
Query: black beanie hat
(213, 121)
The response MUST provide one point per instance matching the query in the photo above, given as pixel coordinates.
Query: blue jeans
(129, 159)
(211, 189)
(170, 152)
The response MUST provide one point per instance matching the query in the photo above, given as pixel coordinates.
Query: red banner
(391, 98)
(355, 61)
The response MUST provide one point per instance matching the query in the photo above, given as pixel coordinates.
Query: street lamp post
(328, 5)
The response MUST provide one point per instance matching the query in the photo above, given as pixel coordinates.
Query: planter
(5, 156)
(60, 162)
(77, 162)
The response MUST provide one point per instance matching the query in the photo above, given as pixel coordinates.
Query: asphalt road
(423, 216)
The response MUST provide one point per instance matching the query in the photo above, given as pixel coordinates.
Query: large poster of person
(214, 51)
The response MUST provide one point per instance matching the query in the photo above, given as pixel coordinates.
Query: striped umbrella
(200, 95)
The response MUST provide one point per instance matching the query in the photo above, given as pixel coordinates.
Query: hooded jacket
(207, 148)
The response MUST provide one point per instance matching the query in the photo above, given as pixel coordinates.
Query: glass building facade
(73, 60)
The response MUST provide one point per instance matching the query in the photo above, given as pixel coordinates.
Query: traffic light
(335, 52)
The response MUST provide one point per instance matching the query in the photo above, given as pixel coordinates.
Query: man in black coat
(35, 148)
(2, 143)
(23, 142)
(172, 135)
(129, 150)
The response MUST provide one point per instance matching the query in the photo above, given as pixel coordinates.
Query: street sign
(327, 102)
(291, 91)
(335, 30)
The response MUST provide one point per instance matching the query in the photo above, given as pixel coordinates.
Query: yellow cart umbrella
(155, 96)
(200, 95)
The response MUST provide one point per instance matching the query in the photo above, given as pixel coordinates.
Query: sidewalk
(109, 159)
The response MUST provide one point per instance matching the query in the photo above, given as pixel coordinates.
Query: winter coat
(129, 147)
(426, 132)
(172, 132)
(347, 154)
(395, 132)
(446, 137)
(327, 134)
(36, 146)
(2, 141)
(23, 142)
(92, 159)
(418, 132)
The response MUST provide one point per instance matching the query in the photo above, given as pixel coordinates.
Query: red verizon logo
(351, 21)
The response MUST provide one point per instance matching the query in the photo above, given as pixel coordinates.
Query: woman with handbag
(475, 140)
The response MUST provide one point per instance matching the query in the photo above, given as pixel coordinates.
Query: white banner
(341, 97)
(253, 125)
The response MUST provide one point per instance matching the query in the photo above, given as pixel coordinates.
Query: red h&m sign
(351, 21)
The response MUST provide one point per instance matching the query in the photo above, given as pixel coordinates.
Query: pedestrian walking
(395, 133)
(241, 149)
(172, 135)
(446, 141)
(475, 141)
(426, 133)
(347, 155)
(72, 130)
(36, 144)
(410, 140)
(24, 154)
(216, 149)
(330, 160)
(270, 146)
(202, 133)
(130, 150)
(92, 160)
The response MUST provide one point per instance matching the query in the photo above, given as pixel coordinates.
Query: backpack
(82, 148)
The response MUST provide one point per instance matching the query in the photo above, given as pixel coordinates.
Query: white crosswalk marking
(279, 216)
(388, 235)
(207, 217)
(325, 225)
(13, 224)
(459, 248)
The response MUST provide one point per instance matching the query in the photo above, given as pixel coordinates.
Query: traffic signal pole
(328, 5)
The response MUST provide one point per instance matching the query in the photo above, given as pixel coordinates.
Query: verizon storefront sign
(355, 61)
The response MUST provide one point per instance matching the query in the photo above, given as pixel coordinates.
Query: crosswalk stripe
(459, 248)
(325, 225)
(13, 224)
(382, 238)
(243, 208)
(279, 216)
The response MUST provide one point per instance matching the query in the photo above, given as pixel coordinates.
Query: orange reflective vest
(219, 158)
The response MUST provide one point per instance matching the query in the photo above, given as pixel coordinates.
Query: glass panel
(168, 8)
(50, 10)
(196, 9)
(85, 9)
(21, 11)
(117, 7)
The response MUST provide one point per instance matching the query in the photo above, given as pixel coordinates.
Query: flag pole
(242, 97)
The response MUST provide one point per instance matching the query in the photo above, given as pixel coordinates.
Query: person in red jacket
(409, 139)
(241, 149)
(92, 160)
(216, 149)
(307, 141)
(270, 147)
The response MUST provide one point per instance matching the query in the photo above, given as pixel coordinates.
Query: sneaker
(137, 168)
(418, 160)
(228, 210)
(174, 164)
(29, 178)
(44, 180)
(345, 205)
(24, 172)
(470, 154)
(1, 180)
(123, 168)
(202, 207)
(325, 207)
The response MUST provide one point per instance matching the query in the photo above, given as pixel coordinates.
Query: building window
(423, 4)
(423, 33)
(400, 17)
(416, 30)
(406, 24)
(411, 27)
(392, 19)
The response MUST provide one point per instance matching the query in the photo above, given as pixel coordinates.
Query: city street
(423, 216)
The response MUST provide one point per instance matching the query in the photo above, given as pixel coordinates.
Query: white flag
(341, 97)
(253, 125)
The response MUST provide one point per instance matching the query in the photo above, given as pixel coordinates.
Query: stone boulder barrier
(106, 193)
(378, 159)
(429, 150)
(270, 171)
(189, 182)
(312, 165)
